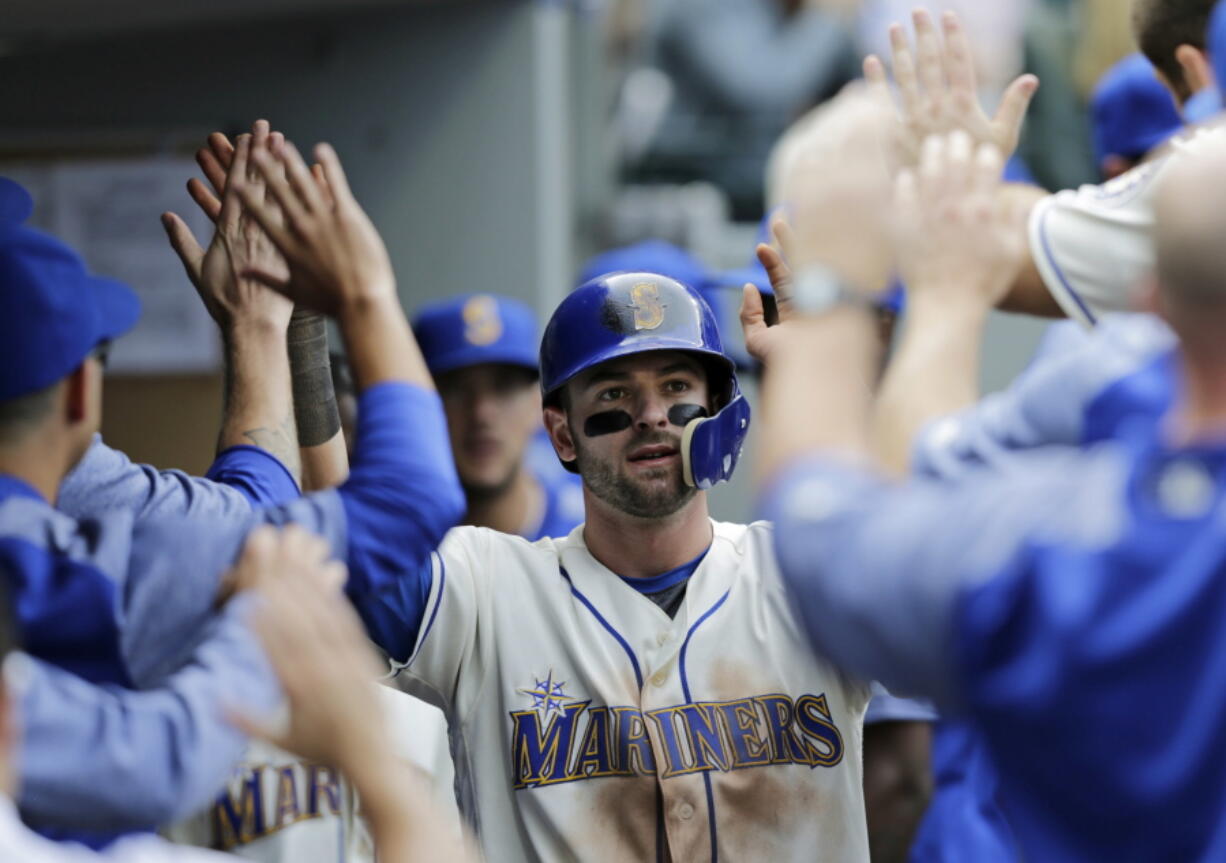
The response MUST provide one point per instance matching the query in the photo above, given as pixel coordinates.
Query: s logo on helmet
(648, 310)
(482, 325)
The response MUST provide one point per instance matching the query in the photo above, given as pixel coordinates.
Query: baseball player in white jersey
(278, 807)
(604, 706)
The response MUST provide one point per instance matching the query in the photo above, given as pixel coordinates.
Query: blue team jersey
(1071, 608)
(120, 585)
(1082, 387)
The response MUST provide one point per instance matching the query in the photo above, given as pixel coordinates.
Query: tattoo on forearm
(281, 442)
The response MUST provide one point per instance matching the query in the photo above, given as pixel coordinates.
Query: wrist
(254, 330)
(947, 307)
(360, 297)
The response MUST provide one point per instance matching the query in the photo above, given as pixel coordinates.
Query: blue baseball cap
(1217, 47)
(649, 256)
(1132, 112)
(53, 311)
(475, 329)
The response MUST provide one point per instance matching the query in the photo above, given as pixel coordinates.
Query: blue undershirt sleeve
(256, 473)
(401, 498)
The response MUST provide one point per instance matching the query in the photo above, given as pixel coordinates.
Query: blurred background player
(1132, 115)
(482, 351)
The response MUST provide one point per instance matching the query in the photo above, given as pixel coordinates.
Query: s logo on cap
(482, 324)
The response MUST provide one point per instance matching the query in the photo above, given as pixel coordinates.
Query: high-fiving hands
(239, 244)
(333, 253)
(938, 91)
(956, 239)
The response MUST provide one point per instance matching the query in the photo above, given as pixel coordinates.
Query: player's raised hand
(957, 239)
(334, 253)
(239, 243)
(938, 91)
(214, 160)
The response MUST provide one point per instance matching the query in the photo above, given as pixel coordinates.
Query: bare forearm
(817, 387)
(379, 343)
(1028, 294)
(935, 372)
(258, 408)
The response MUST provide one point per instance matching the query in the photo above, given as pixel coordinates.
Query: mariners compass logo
(547, 695)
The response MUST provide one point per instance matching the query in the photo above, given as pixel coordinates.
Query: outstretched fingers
(928, 51)
(301, 181)
(273, 170)
(333, 173)
(904, 70)
(231, 205)
(204, 198)
(185, 245)
(959, 60)
(1013, 107)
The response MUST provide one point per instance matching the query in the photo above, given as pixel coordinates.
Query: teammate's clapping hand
(956, 238)
(938, 92)
(334, 253)
(238, 244)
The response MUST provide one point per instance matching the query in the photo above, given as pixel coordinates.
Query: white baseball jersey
(587, 724)
(1094, 246)
(277, 808)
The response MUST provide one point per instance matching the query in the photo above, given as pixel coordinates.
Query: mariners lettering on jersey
(265, 798)
(563, 740)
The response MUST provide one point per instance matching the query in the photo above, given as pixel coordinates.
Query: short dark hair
(19, 415)
(1161, 26)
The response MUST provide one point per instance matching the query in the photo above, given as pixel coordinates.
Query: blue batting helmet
(621, 314)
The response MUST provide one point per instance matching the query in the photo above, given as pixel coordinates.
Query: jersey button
(685, 812)
(659, 678)
(662, 639)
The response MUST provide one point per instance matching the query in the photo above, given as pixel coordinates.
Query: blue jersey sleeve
(876, 569)
(256, 474)
(106, 481)
(108, 758)
(1061, 399)
(403, 494)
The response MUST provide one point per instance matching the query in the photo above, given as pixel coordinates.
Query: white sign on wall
(109, 210)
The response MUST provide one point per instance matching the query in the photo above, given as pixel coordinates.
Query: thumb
(184, 243)
(1013, 107)
(753, 314)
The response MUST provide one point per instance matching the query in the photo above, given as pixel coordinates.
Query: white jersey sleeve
(447, 643)
(1094, 246)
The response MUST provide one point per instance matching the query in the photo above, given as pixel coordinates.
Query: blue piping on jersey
(1064, 283)
(638, 674)
(685, 691)
(638, 677)
(442, 583)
